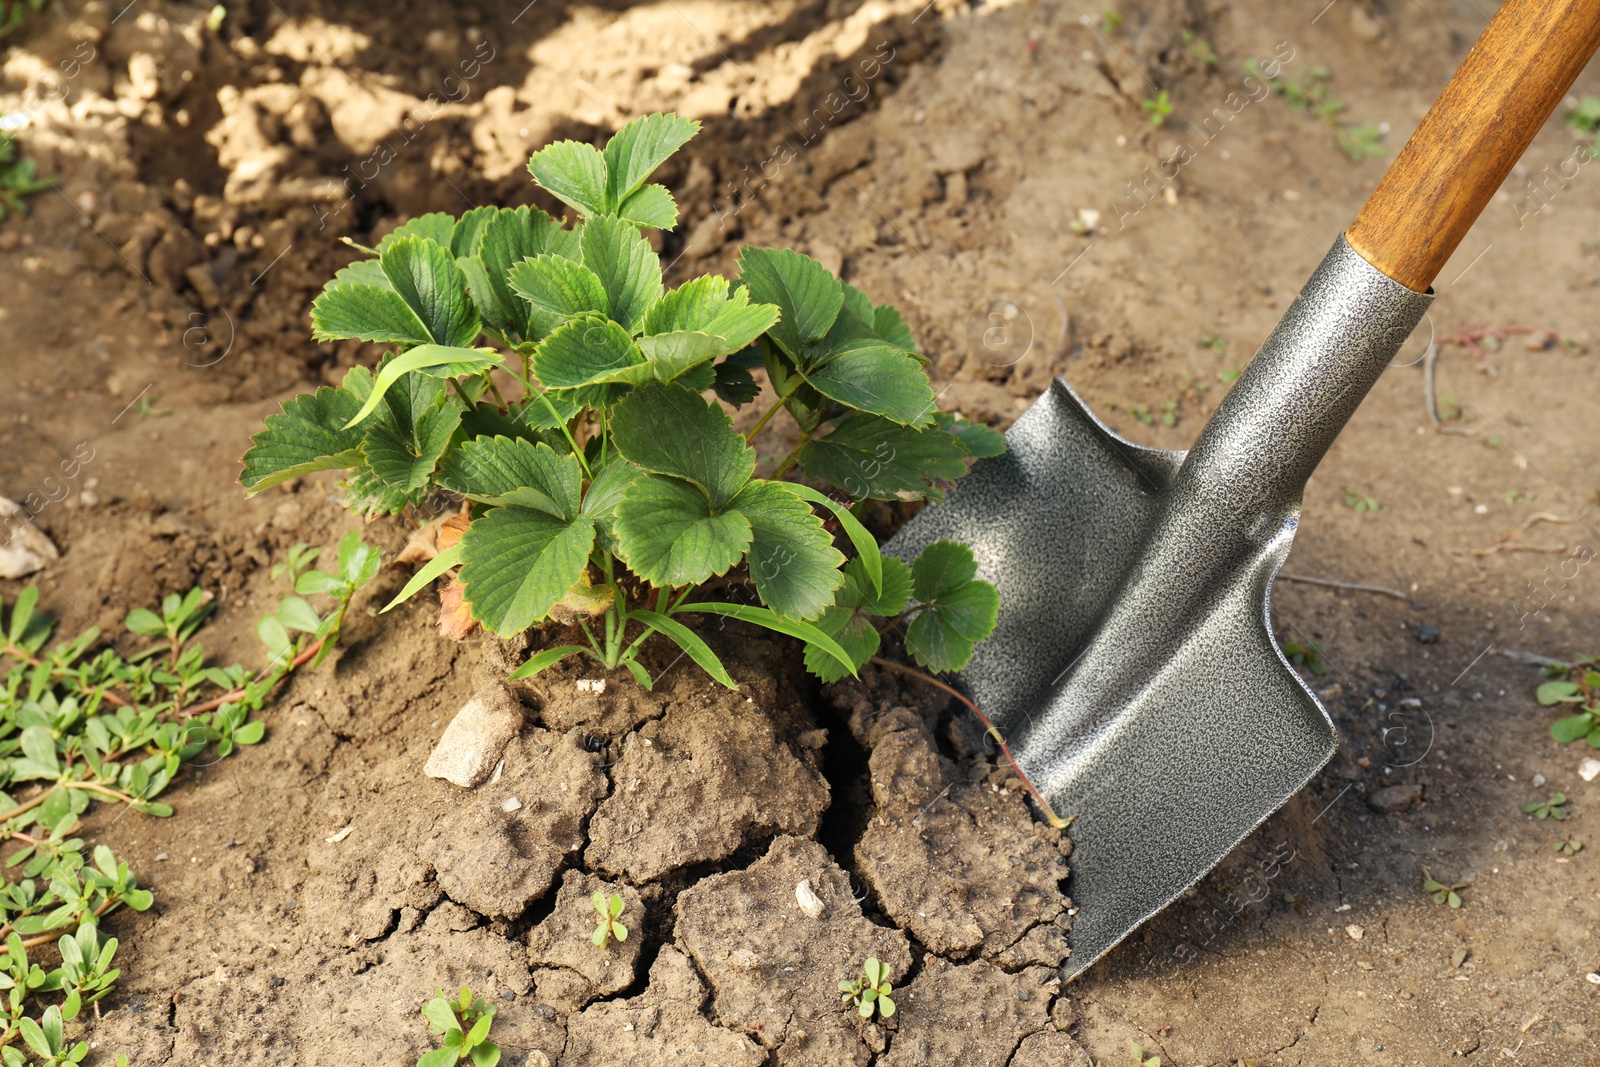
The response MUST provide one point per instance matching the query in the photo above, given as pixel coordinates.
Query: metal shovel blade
(1133, 669)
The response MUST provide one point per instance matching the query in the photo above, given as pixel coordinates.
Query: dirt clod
(931, 1010)
(471, 745)
(774, 972)
(953, 859)
(561, 949)
(711, 776)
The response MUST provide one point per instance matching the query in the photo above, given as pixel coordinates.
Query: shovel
(1133, 669)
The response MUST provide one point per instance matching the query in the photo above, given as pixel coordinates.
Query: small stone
(1538, 779)
(1458, 957)
(591, 685)
(1592, 978)
(808, 900)
(510, 804)
(1393, 798)
(1356, 933)
(1589, 769)
(1428, 634)
(476, 737)
(334, 839)
(162, 856)
(23, 549)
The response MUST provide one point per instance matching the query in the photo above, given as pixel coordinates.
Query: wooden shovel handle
(1526, 60)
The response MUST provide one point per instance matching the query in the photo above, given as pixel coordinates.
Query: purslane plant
(607, 488)
(82, 722)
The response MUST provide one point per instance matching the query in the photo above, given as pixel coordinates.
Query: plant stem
(1055, 820)
(489, 377)
(783, 398)
(792, 457)
(544, 395)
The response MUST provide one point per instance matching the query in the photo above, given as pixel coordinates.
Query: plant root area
(987, 167)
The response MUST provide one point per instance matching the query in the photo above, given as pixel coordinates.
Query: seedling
(1297, 903)
(1576, 684)
(1554, 808)
(1200, 48)
(870, 992)
(1157, 110)
(1229, 376)
(1360, 142)
(1307, 654)
(19, 175)
(463, 1024)
(1110, 22)
(1585, 118)
(1214, 341)
(1441, 893)
(604, 489)
(1136, 1050)
(1360, 502)
(81, 722)
(1567, 846)
(1310, 92)
(609, 929)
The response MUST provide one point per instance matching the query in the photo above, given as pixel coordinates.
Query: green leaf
(539, 661)
(870, 375)
(510, 237)
(696, 649)
(636, 150)
(413, 428)
(436, 226)
(605, 492)
(574, 173)
(439, 1057)
(651, 208)
(807, 295)
(296, 614)
(435, 361)
(980, 441)
(140, 621)
(441, 1019)
(308, 434)
(558, 286)
(733, 381)
(629, 271)
(513, 470)
(792, 559)
(668, 535)
(886, 1009)
(767, 618)
(887, 324)
(866, 545)
(671, 354)
(365, 311)
(250, 733)
(1572, 727)
(959, 610)
(871, 457)
(430, 570)
(34, 1037)
(466, 236)
(586, 350)
(1559, 693)
(486, 1054)
(668, 429)
(40, 748)
(426, 277)
(516, 563)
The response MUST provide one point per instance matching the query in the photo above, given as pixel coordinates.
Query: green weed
(1440, 892)
(463, 1024)
(81, 722)
(1577, 684)
(1159, 109)
(19, 175)
(870, 992)
(1554, 808)
(1361, 503)
(608, 929)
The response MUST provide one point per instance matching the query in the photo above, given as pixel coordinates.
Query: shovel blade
(1166, 732)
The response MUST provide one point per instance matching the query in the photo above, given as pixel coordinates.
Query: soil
(945, 157)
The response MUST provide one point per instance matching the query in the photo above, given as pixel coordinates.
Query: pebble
(1592, 977)
(1589, 769)
(808, 900)
(472, 744)
(1356, 933)
(1538, 779)
(510, 804)
(1393, 798)
(24, 550)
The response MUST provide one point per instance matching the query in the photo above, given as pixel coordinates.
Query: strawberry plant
(604, 487)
